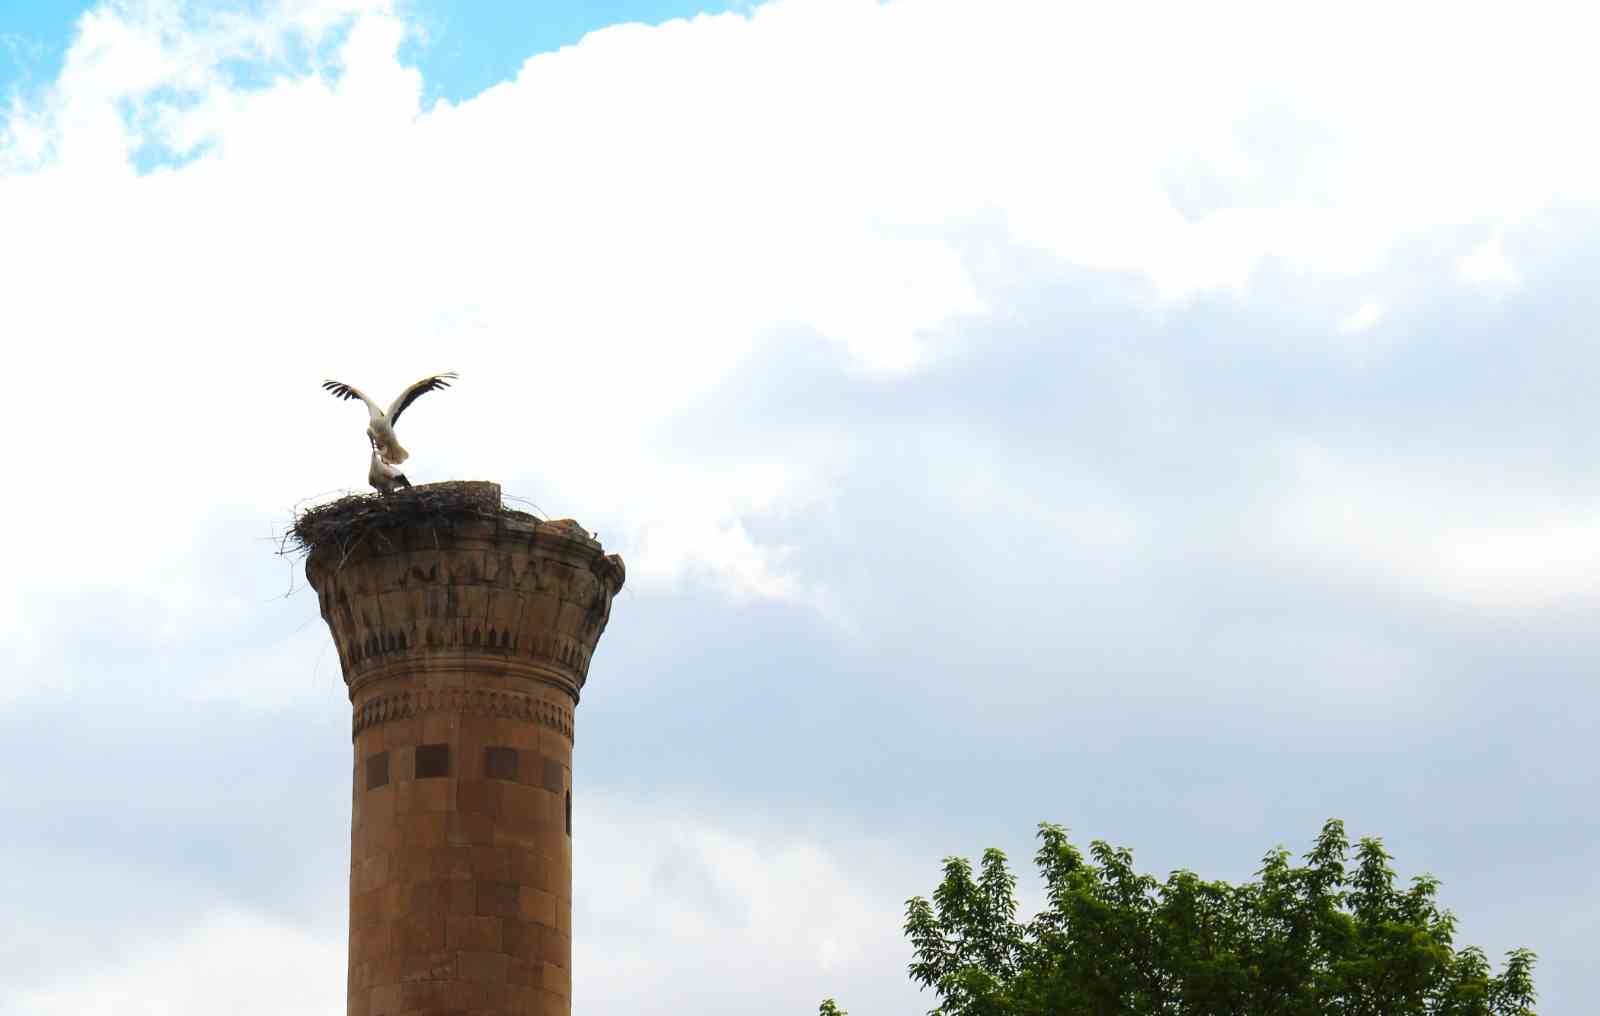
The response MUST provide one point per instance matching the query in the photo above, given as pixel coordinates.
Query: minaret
(464, 632)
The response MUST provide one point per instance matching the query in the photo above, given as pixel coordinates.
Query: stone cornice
(489, 594)
(551, 659)
(408, 702)
(476, 663)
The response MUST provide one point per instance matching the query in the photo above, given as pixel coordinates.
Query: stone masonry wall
(464, 649)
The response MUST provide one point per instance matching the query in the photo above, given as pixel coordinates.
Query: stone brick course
(471, 641)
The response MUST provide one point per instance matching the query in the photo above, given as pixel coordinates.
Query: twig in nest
(344, 523)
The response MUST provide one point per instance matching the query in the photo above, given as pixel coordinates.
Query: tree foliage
(1334, 936)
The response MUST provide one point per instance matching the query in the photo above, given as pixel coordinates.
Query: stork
(380, 424)
(386, 478)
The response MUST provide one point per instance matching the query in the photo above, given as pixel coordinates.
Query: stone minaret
(464, 632)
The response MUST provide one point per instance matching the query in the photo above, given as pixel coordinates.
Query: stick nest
(342, 524)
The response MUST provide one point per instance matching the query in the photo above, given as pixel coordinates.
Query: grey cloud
(1196, 691)
(1056, 545)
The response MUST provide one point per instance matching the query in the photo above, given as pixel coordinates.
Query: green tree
(1326, 938)
(830, 1008)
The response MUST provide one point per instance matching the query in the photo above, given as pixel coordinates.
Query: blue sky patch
(465, 46)
(33, 40)
(472, 46)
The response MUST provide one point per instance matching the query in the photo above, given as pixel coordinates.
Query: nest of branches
(341, 525)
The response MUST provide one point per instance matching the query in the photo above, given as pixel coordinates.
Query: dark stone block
(377, 770)
(433, 760)
(500, 763)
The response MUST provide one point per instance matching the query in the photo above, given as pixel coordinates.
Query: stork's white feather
(380, 424)
(386, 478)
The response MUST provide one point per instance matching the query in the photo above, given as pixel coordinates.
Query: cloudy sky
(1174, 421)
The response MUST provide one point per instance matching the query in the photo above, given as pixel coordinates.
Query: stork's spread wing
(343, 391)
(409, 396)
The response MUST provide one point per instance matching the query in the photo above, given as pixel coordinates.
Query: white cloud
(1361, 342)
(1363, 317)
(1449, 537)
(733, 913)
(229, 961)
(603, 240)
(703, 529)
(1487, 265)
(606, 245)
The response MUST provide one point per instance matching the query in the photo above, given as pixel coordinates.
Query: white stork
(380, 425)
(386, 478)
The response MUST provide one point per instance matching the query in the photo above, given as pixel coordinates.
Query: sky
(1175, 422)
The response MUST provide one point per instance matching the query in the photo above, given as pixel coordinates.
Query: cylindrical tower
(464, 632)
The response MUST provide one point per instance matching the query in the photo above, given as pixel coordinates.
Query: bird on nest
(385, 478)
(386, 450)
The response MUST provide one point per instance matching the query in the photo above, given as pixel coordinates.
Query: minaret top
(441, 577)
